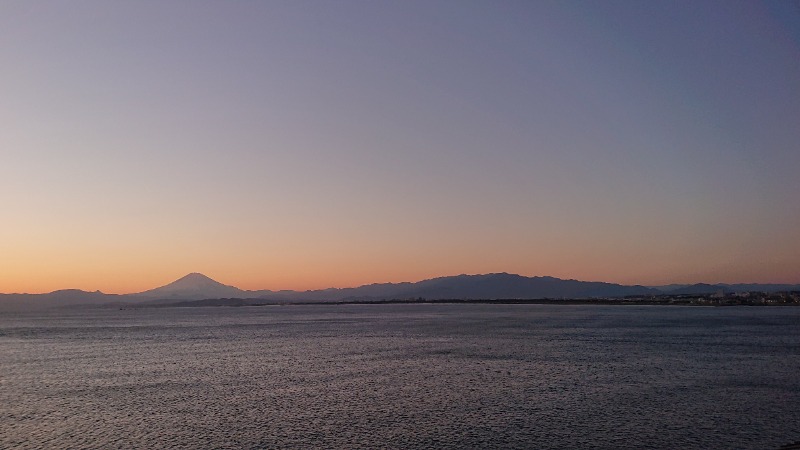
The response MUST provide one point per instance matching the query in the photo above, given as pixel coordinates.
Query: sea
(401, 376)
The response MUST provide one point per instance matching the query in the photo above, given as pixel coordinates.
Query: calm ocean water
(402, 376)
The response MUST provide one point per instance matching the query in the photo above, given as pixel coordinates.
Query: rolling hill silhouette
(198, 287)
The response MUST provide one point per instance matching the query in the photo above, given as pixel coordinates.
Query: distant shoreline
(666, 301)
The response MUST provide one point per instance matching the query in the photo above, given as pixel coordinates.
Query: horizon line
(402, 282)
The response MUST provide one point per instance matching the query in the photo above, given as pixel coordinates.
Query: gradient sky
(308, 144)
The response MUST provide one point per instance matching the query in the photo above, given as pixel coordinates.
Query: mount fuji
(194, 286)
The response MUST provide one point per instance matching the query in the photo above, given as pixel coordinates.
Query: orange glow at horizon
(130, 276)
(265, 146)
(125, 253)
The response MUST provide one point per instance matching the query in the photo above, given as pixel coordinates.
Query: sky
(311, 144)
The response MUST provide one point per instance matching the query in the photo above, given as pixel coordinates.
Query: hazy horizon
(306, 144)
(277, 289)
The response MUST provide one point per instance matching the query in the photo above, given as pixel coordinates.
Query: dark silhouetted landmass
(700, 288)
(66, 297)
(199, 290)
(490, 286)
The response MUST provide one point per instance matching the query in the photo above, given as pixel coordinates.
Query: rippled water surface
(402, 376)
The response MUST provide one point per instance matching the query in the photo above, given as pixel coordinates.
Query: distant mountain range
(196, 286)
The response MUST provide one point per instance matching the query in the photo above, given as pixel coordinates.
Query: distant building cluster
(721, 298)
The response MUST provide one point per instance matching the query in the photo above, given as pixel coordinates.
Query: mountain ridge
(196, 286)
